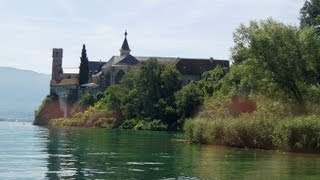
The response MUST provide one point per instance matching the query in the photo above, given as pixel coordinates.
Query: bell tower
(125, 50)
(57, 54)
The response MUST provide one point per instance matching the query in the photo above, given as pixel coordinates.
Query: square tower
(57, 54)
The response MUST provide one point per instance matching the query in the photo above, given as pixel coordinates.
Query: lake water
(31, 152)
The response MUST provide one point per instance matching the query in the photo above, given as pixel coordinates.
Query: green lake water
(31, 152)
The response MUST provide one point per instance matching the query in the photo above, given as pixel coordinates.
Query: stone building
(103, 74)
(191, 69)
(62, 84)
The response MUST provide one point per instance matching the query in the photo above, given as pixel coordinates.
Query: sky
(29, 29)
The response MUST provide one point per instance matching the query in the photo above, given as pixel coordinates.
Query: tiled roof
(65, 82)
(199, 66)
(95, 66)
(117, 59)
(184, 65)
(160, 59)
(128, 60)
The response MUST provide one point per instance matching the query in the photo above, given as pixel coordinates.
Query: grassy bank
(272, 126)
(98, 118)
(95, 117)
(92, 117)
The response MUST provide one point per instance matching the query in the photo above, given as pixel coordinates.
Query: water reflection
(20, 151)
(115, 154)
(224, 163)
(30, 152)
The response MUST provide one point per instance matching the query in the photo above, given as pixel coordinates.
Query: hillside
(21, 92)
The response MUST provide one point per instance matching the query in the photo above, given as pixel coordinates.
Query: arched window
(119, 76)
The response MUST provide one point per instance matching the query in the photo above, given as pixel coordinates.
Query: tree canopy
(146, 93)
(310, 15)
(273, 55)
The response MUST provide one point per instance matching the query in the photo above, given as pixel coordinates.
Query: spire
(84, 51)
(125, 50)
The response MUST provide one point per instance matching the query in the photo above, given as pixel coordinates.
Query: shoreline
(186, 140)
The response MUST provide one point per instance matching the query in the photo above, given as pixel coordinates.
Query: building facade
(103, 74)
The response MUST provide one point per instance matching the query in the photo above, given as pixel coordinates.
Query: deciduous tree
(310, 15)
(283, 55)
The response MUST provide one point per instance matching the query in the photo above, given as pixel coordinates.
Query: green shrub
(251, 132)
(92, 117)
(187, 99)
(87, 100)
(83, 103)
(204, 131)
(301, 133)
(271, 126)
(237, 132)
(136, 124)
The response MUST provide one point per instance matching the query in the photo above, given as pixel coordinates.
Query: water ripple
(144, 163)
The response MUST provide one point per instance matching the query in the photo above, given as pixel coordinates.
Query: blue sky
(29, 29)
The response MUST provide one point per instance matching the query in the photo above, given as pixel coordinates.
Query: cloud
(67, 6)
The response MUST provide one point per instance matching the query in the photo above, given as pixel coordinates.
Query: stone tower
(125, 50)
(57, 55)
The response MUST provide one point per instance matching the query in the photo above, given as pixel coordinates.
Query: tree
(310, 15)
(87, 100)
(150, 91)
(146, 93)
(84, 67)
(211, 80)
(187, 99)
(286, 57)
(84, 103)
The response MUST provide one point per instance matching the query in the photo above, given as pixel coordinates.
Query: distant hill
(21, 92)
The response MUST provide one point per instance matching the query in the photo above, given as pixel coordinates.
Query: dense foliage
(276, 57)
(193, 94)
(148, 97)
(146, 93)
(271, 126)
(187, 99)
(83, 103)
(310, 15)
(84, 67)
(269, 98)
(274, 88)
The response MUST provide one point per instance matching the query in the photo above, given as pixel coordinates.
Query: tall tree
(310, 15)
(84, 67)
(287, 56)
